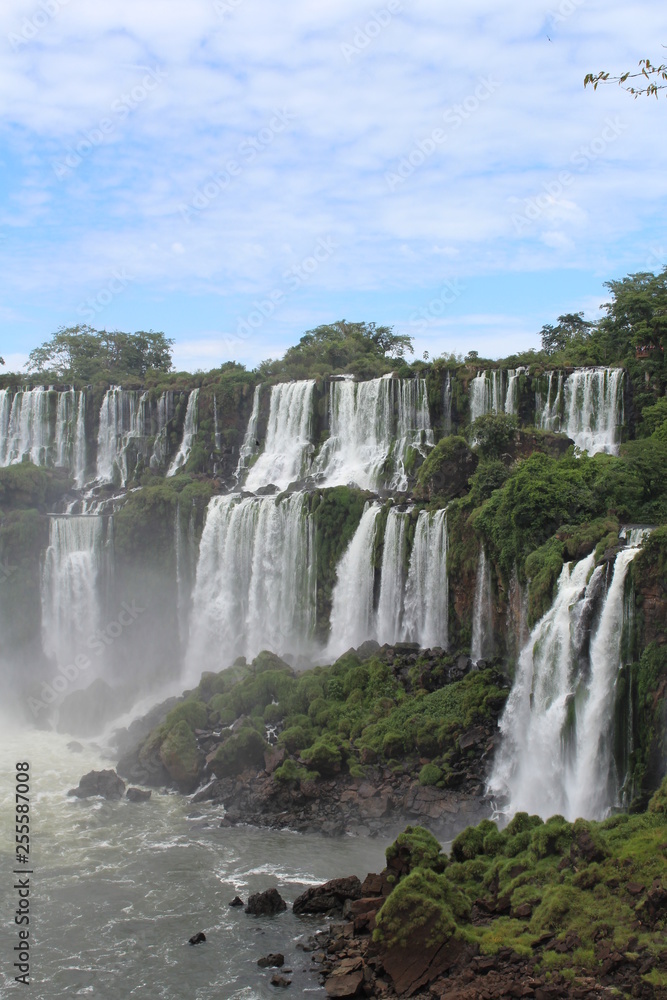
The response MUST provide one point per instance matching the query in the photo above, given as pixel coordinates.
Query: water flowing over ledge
(557, 754)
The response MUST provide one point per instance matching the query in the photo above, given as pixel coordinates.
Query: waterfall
(28, 431)
(249, 446)
(5, 413)
(184, 557)
(486, 393)
(45, 427)
(482, 622)
(352, 617)
(288, 444)
(255, 581)
(71, 586)
(556, 752)
(392, 577)
(594, 409)
(447, 405)
(217, 438)
(548, 409)
(122, 420)
(373, 427)
(413, 602)
(426, 610)
(512, 397)
(80, 451)
(164, 413)
(189, 431)
(413, 426)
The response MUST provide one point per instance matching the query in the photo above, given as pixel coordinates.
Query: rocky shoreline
(355, 957)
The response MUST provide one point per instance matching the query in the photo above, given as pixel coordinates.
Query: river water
(118, 888)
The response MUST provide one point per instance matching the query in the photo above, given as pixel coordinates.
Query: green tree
(637, 314)
(572, 327)
(83, 354)
(362, 348)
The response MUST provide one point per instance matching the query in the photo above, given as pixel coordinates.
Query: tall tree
(83, 354)
(637, 314)
(572, 327)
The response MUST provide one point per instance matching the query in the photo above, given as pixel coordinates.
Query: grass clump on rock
(564, 893)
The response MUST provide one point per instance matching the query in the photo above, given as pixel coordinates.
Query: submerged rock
(272, 960)
(138, 794)
(104, 783)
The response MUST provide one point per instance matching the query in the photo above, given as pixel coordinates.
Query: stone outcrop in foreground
(543, 910)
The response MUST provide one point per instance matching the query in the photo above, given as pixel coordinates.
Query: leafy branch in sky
(653, 78)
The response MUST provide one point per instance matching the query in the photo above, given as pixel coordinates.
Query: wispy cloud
(156, 195)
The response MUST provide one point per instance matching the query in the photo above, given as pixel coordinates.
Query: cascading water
(512, 396)
(288, 445)
(164, 413)
(249, 444)
(121, 420)
(487, 393)
(548, 408)
(447, 405)
(392, 577)
(352, 615)
(482, 623)
(46, 427)
(72, 586)
(556, 752)
(185, 559)
(255, 582)
(426, 609)
(189, 431)
(217, 437)
(80, 451)
(373, 426)
(413, 604)
(594, 409)
(495, 391)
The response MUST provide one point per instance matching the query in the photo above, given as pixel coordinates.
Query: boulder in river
(138, 794)
(266, 904)
(104, 783)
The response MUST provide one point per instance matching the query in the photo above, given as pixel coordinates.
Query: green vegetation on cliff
(567, 893)
(340, 718)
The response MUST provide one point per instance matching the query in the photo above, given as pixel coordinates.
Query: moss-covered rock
(244, 748)
(180, 757)
(446, 471)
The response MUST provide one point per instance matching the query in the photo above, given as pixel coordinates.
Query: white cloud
(219, 82)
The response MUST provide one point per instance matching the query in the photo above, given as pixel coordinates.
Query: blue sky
(235, 172)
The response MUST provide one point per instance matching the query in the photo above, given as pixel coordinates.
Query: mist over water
(118, 888)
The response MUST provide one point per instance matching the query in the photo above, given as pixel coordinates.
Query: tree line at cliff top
(634, 324)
